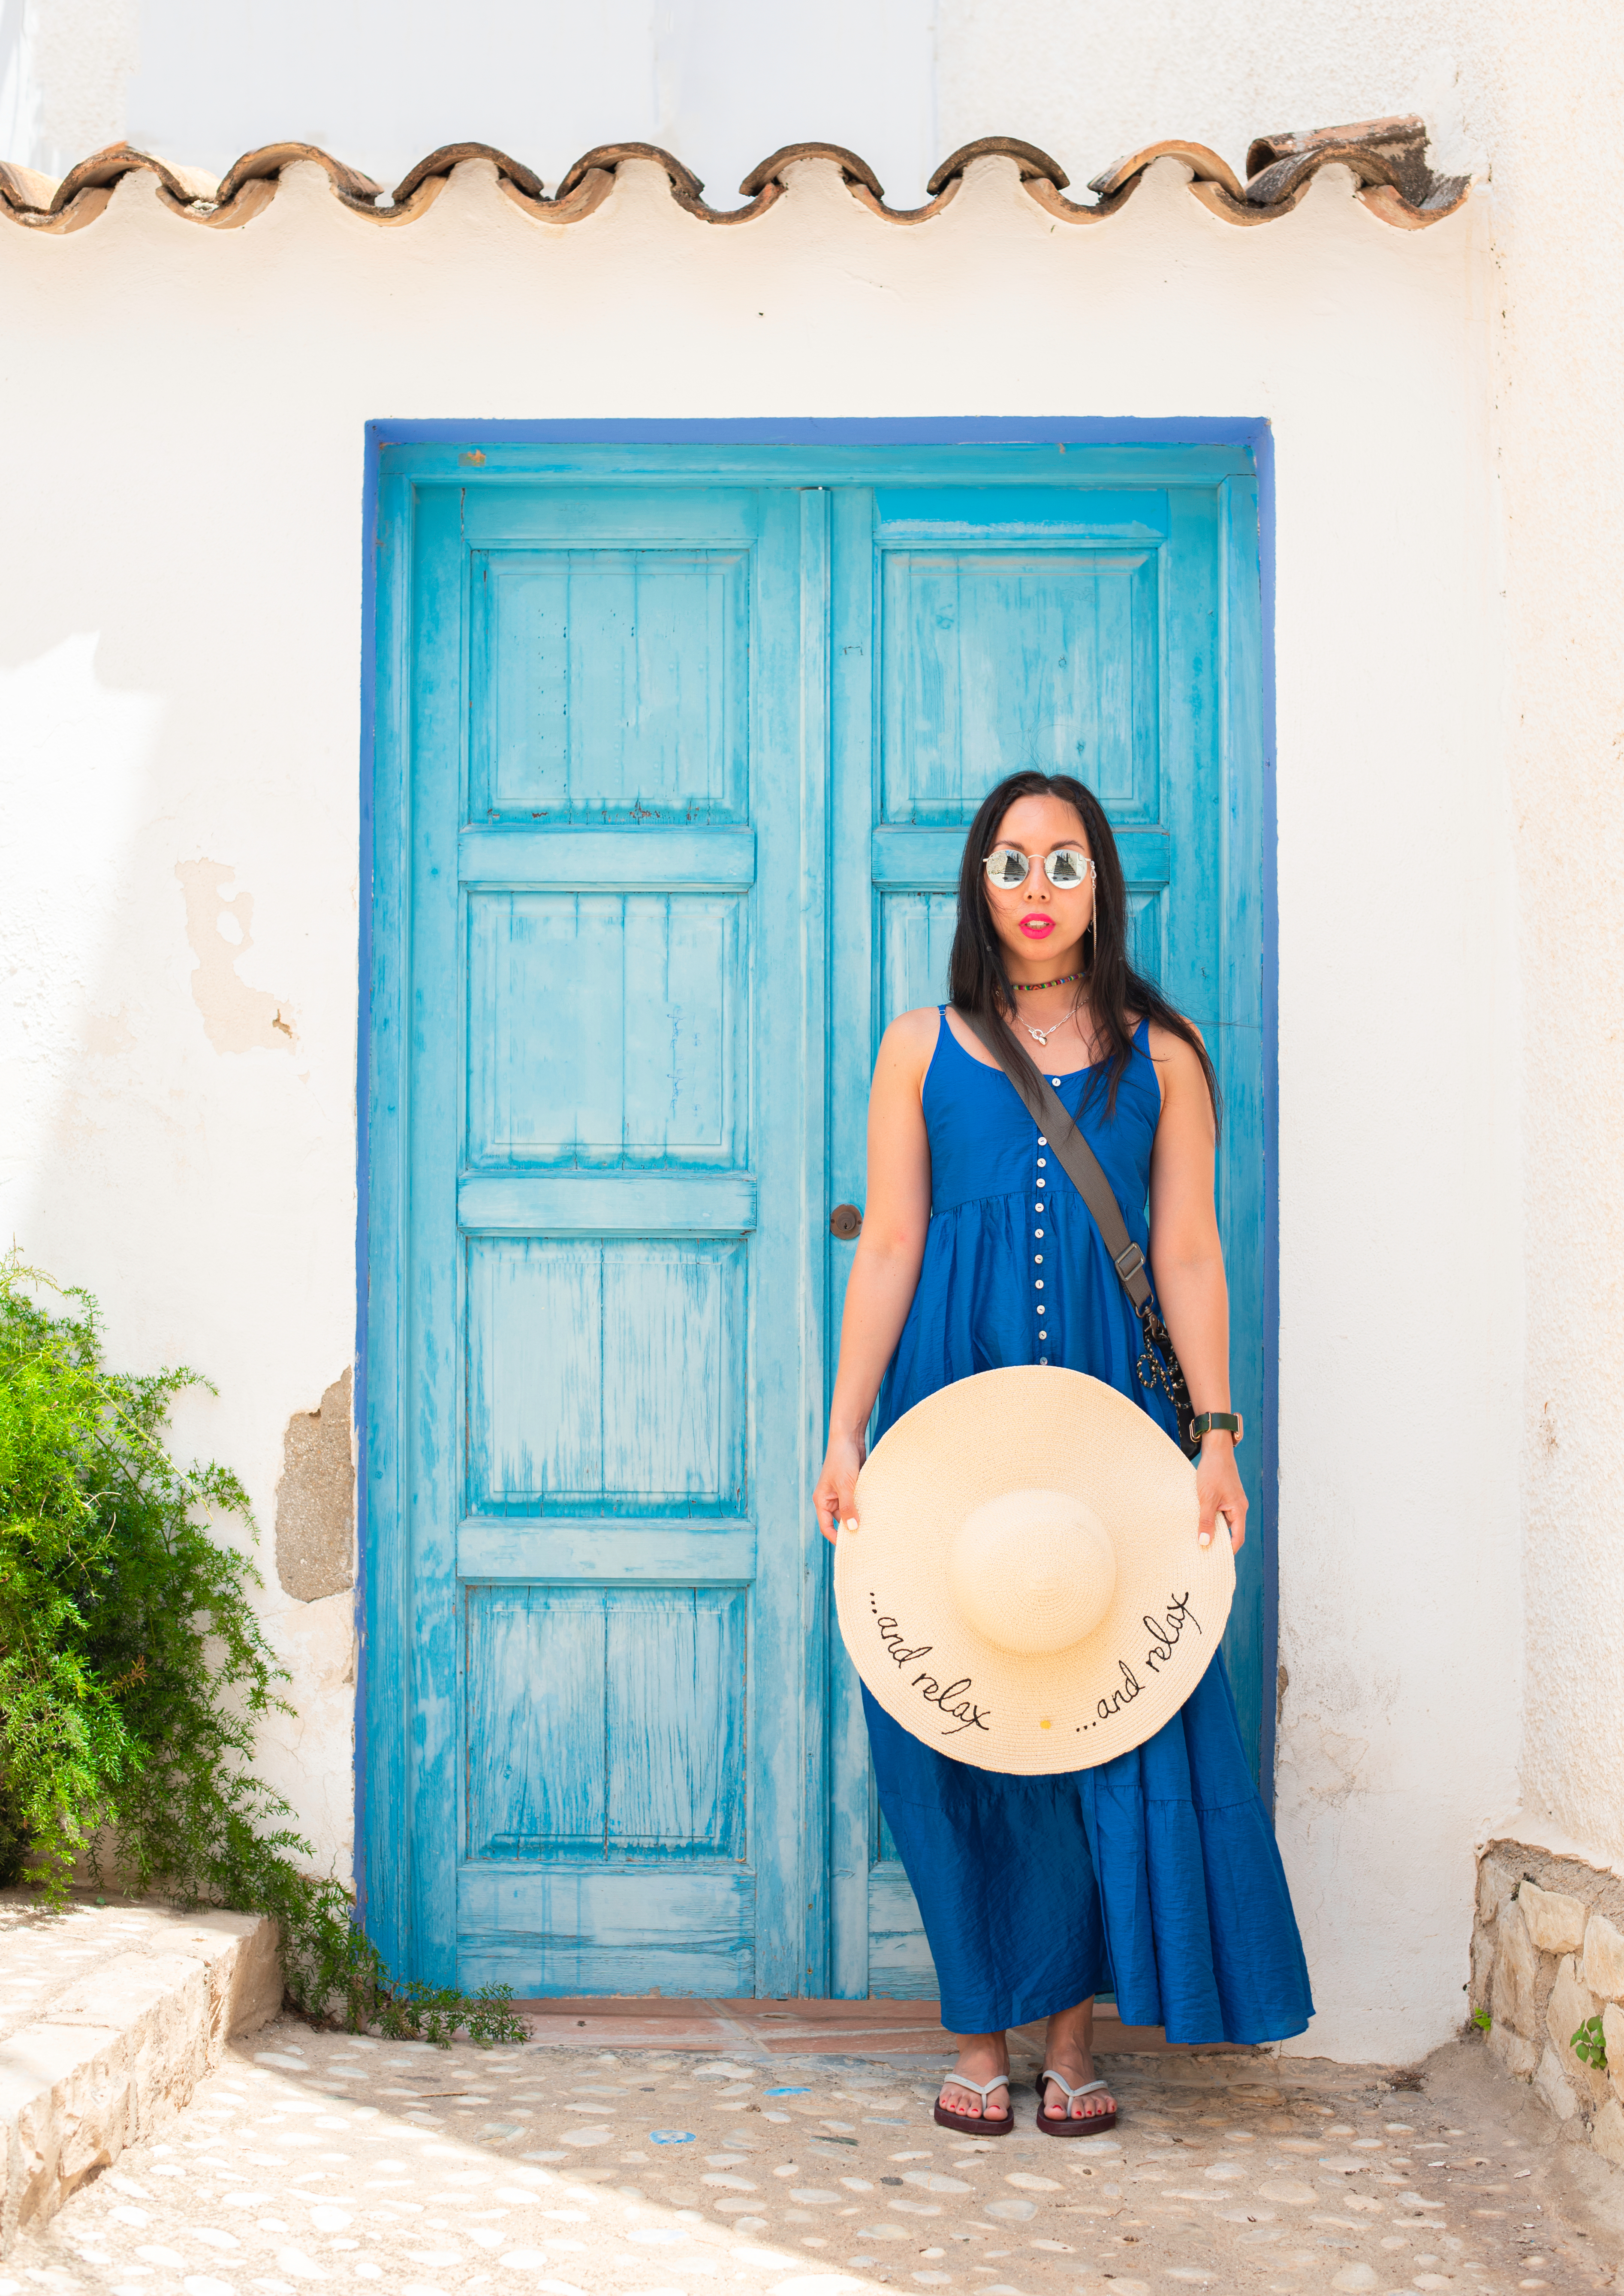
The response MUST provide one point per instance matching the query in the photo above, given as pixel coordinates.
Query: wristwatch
(1227, 1422)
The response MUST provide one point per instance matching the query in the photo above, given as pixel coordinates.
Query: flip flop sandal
(961, 2121)
(1061, 2124)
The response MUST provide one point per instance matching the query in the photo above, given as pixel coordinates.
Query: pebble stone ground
(318, 2159)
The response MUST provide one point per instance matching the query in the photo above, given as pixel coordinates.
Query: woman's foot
(981, 2057)
(1069, 2049)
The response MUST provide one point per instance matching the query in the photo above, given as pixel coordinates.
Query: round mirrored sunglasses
(1067, 867)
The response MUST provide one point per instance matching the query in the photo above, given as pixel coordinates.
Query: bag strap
(1087, 1175)
(1078, 1159)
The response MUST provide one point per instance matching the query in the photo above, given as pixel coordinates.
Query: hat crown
(1032, 1571)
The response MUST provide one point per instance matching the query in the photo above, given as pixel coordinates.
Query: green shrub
(134, 1672)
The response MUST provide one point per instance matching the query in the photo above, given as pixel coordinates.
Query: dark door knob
(845, 1221)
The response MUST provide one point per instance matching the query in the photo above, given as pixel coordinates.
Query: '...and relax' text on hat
(966, 1714)
(954, 1700)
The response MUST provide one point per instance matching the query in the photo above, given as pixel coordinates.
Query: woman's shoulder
(910, 1041)
(1179, 1070)
(913, 1031)
(1169, 1049)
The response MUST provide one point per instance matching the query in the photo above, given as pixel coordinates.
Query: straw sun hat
(1025, 1592)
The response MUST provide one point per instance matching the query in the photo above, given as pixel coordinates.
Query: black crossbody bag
(1158, 1365)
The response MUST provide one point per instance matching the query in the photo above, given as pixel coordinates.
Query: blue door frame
(809, 453)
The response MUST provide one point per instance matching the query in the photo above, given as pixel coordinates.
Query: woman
(1156, 1874)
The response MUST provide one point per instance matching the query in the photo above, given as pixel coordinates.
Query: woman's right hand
(835, 1499)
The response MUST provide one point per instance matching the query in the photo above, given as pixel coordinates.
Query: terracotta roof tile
(1031, 162)
(1204, 165)
(1387, 157)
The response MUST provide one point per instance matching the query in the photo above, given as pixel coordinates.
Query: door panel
(615, 684)
(606, 1375)
(994, 662)
(652, 1071)
(675, 752)
(605, 1725)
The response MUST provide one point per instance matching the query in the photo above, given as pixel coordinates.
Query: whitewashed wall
(182, 639)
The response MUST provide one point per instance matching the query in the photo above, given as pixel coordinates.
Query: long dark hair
(978, 982)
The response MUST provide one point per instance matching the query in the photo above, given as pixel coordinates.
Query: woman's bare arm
(885, 1266)
(1187, 1262)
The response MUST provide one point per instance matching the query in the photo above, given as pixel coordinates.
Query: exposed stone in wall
(315, 1500)
(1547, 1955)
(1603, 1971)
(1555, 1921)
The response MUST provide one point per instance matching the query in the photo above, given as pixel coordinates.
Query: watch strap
(1226, 1422)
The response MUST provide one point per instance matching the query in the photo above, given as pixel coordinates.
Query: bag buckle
(1128, 1263)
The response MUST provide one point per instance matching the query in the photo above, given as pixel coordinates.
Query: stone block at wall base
(1555, 1921)
(1517, 2055)
(1514, 1990)
(1612, 2033)
(1603, 1968)
(1552, 2083)
(1571, 2005)
(1547, 1950)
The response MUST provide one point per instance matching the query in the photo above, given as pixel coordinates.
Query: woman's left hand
(1217, 1486)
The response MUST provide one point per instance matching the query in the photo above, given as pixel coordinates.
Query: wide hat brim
(1039, 1428)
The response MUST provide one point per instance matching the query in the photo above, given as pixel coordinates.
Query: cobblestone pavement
(314, 2159)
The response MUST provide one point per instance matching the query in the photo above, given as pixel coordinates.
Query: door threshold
(768, 2028)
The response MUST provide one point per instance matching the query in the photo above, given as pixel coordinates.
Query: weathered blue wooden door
(601, 1340)
(674, 749)
(1107, 631)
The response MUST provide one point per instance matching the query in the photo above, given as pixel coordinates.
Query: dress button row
(1037, 1232)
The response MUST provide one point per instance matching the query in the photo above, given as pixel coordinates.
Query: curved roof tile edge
(1387, 158)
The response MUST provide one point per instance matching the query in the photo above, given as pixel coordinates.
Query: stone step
(110, 2014)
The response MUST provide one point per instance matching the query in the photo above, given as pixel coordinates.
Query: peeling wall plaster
(315, 1499)
(218, 926)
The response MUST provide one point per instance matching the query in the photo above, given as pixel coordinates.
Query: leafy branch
(134, 1673)
(1589, 2045)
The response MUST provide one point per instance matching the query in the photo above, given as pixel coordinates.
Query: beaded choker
(1064, 980)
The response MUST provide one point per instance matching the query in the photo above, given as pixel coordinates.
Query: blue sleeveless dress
(1155, 1876)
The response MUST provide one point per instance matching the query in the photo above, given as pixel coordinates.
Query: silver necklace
(1042, 1036)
